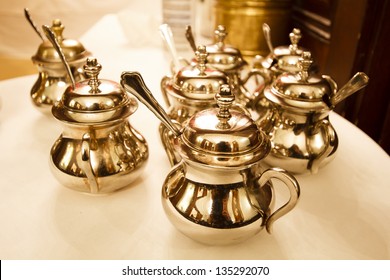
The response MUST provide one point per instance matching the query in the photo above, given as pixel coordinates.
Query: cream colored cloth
(18, 39)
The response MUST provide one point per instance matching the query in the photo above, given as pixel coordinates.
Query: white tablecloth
(343, 212)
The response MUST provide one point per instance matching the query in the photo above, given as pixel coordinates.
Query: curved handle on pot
(87, 166)
(293, 187)
(330, 137)
(163, 85)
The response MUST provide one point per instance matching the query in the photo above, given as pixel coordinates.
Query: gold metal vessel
(244, 21)
(219, 192)
(98, 151)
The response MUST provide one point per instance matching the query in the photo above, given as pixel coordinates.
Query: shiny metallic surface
(282, 59)
(222, 136)
(53, 77)
(226, 212)
(228, 58)
(98, 151)
(197, 80)
(223, 56)
(98, 160)
(297, 122)
(218, 193)
(191, 90)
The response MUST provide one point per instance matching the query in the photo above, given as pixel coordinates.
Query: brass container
(244, 20)
(98, 151)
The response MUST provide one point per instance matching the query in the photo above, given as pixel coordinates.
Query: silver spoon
(166, 34)
(267, 35)
(133, 83)
(29, 19)
(53, 39)
(190, 38)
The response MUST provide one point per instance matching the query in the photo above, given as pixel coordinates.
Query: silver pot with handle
(219, 192)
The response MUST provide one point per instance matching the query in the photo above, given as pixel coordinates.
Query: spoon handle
(53, 39)
(190, 37)
(166, 34)
(133, 83)
(29, 19)
(267, 35)
(357, 82)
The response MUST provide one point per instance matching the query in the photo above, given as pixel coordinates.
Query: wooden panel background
(347, 36)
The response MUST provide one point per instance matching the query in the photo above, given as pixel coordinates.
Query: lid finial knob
(92, 69)
(304, 63)
(57, 28)
(225, 100)
(220, 35)
(295, 37)
(201, 57)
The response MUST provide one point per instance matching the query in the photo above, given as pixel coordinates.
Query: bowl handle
(86, 160)
(330, 138)
(293, 187)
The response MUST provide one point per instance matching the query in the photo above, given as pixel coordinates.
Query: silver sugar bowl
(53, 78)
(190, 90)
(98, 151)
(297, 121)
(218, 193)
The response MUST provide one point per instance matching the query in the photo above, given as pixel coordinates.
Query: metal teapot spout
(133, 83)
(357, 82)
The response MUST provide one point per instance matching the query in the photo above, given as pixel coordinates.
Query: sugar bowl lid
(222, 56)
(304, 89)
(94, 101)
(197, 80)
(222, 137)
(73, 49)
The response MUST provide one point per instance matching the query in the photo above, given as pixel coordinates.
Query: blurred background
(344, 36)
